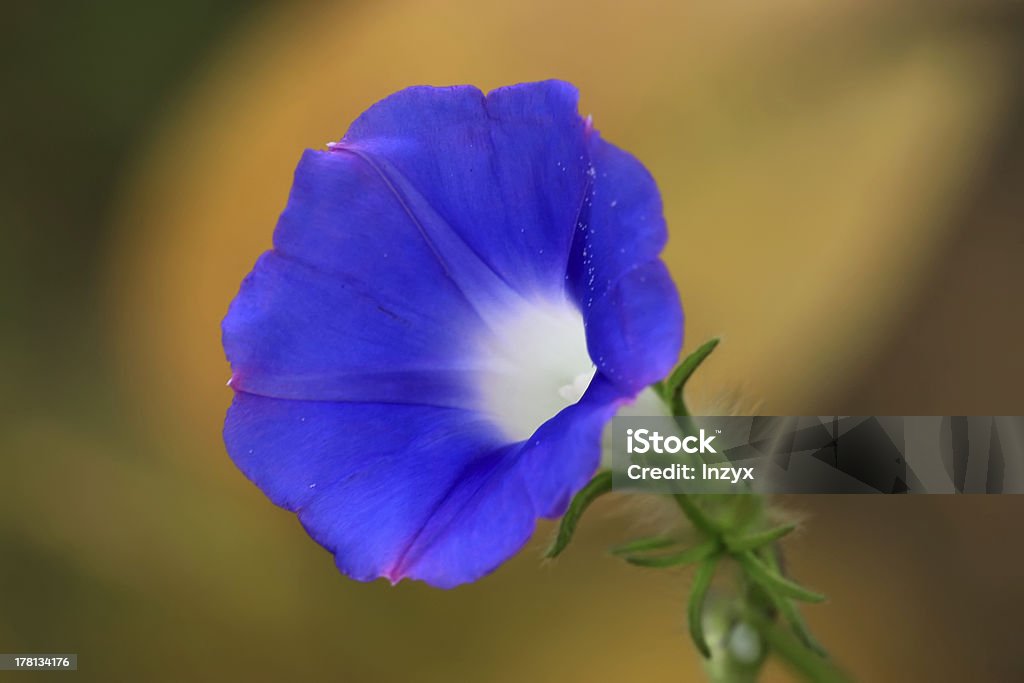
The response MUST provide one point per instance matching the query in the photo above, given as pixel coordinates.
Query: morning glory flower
(461, 293)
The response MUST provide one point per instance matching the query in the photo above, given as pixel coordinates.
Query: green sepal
(791, 650)
(774, 604)
(643, 545)
(695, 608)
(598, 486)
(757, 540)
(791, 614)
(773, 582)
(689, 556)
(671, 389)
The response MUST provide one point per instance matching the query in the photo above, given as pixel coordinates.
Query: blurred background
(843, 185)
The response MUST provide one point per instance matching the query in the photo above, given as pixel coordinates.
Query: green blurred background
(843, 186)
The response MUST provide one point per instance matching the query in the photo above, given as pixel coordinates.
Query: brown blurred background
(843, 187)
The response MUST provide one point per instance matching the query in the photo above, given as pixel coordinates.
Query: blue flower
(461, 293)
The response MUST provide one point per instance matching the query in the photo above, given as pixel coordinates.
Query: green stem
(697, 516)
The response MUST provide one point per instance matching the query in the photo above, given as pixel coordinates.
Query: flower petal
(562, 456)
(392, 491)
(364, 478)
(635, 329)
(412, 491)
(507, 171)
(485, 518)
(353, 303)
(632, 311)
(492, 512)
(295, 331)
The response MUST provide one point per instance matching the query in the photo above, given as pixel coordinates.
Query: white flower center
(534, 363)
